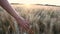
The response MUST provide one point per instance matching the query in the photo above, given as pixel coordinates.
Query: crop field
(42, 19)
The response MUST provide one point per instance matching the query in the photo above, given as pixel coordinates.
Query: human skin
(21, 21)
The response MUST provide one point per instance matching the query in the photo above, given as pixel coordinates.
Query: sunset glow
(52, 2)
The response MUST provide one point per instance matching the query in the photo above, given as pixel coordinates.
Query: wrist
(19, 18)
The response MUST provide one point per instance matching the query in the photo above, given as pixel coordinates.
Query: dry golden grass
(42, 19)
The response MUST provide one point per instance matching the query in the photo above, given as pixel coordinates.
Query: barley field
(42, 19)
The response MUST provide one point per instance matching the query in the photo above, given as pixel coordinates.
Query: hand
(25, 25)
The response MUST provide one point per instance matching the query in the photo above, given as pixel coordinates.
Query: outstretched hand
(25, 25)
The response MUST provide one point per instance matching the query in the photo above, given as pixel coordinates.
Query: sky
(52, 2)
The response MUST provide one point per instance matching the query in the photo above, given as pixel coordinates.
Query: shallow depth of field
(42, 19)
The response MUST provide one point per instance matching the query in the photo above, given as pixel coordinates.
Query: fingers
(27, 21)
(28, 29)
(30, 32)
(25, 25)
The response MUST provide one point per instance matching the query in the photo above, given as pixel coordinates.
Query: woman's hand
(25, 25)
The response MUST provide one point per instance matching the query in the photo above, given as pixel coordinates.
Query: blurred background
(43, 16)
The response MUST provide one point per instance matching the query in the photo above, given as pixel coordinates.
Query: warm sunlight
(27, 5)
(53, 2)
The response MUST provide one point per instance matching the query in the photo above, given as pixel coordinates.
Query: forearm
(8, 8)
